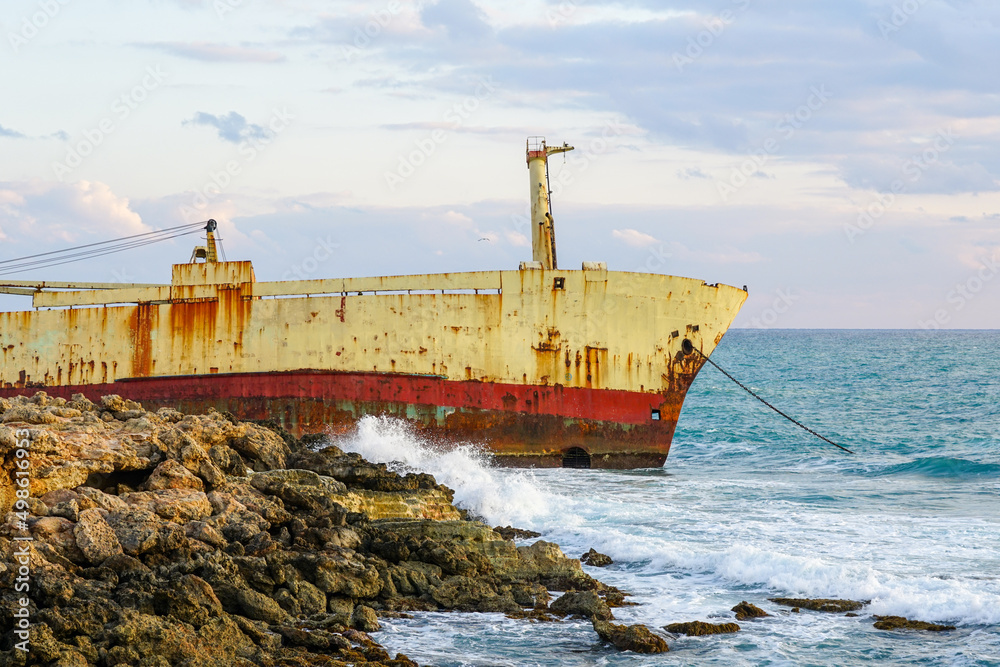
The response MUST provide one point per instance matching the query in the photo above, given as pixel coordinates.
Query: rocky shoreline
(156, 538)
(167, 539)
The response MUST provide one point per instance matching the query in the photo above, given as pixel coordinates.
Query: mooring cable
(752, 393)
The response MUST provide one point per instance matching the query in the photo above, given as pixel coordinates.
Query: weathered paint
(536, 362)
(522, 425)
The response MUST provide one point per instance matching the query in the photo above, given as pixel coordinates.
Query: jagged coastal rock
(745, 611)
(635, 638)
(820, 604)
(900, 623)
(166, 539)
(700, 628)
(511, 533)
(596, 559)
(586, 604)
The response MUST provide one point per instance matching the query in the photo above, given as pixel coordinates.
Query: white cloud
(39, 212)
(457, 219)
(518, 240)
(561, 69)
(634, 237)
(206, 51)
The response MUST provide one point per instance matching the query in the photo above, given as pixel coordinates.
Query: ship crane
(543, 233)
(207, 252)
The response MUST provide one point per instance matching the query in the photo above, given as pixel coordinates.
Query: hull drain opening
(576, 457)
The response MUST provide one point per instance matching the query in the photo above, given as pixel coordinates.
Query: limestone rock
(364, 619)
(472, 594)
(820, 604)
(418, 504)
(59, 533)
(335, 573)
(28, 414)
(95, 538)
(137, 529)
(205, 532)
(341, 609)
(69, 509)
(595, 559)
(249, 603)
(81, 403)
(228, 460)
(233, 519)
(179, 504)
(298, 488)
(113, 403)
(189, 599)
(900, 623)
(511, 533)
(262, 448)
(359, 474)
(744, 610)
(8, 439)
(635, 638)
(172, 475)
(545, 562)
(99, 499)
(311, 599)
(154, 546)
(699, 629)
(583, 603)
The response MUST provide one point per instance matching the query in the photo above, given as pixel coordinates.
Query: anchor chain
(751, 392)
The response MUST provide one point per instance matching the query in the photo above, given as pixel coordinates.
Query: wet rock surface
(170, 539)
(744, 611)
(511, 533)
(586, 604)
(699, 628)
(635, 638)
(819, 604)
(900, 623)
(596, 559)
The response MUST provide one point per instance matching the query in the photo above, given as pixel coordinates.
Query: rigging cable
(98, 249)
(751, 392)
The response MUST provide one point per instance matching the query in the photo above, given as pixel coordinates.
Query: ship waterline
(545, 367)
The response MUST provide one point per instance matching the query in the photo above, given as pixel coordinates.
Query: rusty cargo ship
(544, 366)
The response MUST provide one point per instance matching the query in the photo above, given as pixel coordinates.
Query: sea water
(749, 507)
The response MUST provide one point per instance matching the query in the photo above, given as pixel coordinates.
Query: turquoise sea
(749, 507)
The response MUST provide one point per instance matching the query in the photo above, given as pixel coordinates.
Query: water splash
(500, 496)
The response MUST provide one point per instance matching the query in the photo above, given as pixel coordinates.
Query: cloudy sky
(839, 158)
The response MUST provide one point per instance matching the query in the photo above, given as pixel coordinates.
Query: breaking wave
(500, 497)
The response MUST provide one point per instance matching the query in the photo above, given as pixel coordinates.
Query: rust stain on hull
(519, 425)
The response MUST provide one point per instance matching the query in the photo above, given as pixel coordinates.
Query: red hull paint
(521, 424)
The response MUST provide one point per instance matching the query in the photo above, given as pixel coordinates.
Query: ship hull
(579, 368)
(517, 425)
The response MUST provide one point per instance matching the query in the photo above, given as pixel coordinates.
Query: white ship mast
(543, 233)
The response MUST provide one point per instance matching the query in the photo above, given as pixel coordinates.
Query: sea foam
(627, 517)
(499, 497)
